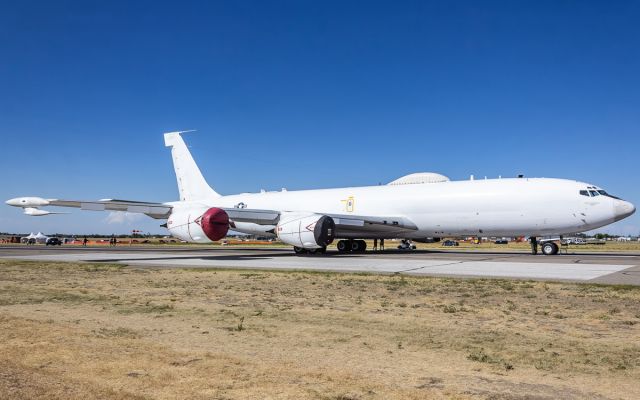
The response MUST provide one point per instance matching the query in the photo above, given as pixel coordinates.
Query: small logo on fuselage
(349, 204)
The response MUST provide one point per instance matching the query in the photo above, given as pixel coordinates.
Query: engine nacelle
(199, 225)
(309, 231)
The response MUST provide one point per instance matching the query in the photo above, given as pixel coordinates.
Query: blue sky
(301, 94)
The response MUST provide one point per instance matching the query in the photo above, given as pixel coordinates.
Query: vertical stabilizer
(191, 183)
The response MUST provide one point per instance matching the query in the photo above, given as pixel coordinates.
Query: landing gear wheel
(549, 249)
(321, 250)
(358, 246)
(344, 246)
(299, 250)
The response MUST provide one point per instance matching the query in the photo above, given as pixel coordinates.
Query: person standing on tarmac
(84, 241)
(375, 244)
(381, 244)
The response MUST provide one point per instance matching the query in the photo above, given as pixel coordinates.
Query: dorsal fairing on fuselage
(191, 184)
(419, 178)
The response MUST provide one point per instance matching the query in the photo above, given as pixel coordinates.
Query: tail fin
(191, 183)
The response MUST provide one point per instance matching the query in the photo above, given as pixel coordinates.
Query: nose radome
(622, 209)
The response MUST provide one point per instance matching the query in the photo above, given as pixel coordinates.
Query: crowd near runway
(614, 268)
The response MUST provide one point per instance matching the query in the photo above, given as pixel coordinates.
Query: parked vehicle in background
(406, 245)
(501, 241)
(53, 241)
(450, 243)
(574, 241)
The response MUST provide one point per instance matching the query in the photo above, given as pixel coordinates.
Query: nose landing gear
(549, 247)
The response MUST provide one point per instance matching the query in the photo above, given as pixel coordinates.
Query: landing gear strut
(534, 245)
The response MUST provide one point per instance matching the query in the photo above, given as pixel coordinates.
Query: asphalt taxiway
(612, 268)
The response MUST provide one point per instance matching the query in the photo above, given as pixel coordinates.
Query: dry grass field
(70, 331)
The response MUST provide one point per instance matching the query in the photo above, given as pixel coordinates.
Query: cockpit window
(596, 192)
(602, 192)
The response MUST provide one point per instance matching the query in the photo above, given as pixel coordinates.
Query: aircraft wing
(354, 224)
(260, 217)
(154, 210)
(345, 223)
(360, 225)
(31, 204)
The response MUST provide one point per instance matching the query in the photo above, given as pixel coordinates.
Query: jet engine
(308, 231)
(196, 225)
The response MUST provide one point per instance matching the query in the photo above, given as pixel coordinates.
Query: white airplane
(417, 206)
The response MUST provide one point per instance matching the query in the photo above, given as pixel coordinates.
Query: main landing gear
(355, 246)
(344, 246)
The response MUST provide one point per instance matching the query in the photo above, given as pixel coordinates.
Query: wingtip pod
(28, 202)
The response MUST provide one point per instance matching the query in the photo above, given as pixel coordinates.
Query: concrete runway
(616, 268)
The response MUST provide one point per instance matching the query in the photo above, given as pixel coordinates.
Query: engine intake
(214, 223)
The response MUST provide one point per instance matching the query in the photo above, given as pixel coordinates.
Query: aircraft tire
(299, 250)
(344, 246)
(358, 246)
(550, 249)
(363, 246)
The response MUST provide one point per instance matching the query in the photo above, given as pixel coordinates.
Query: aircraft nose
(12, 202)
(622, 209)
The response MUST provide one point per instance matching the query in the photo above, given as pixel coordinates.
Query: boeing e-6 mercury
(416, 206)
